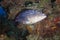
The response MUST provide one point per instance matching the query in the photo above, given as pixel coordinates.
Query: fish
(30, 16)
(3, 12)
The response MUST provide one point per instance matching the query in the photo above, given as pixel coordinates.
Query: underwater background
(29, 19)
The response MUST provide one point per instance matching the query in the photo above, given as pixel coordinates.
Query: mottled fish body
(30, 16)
